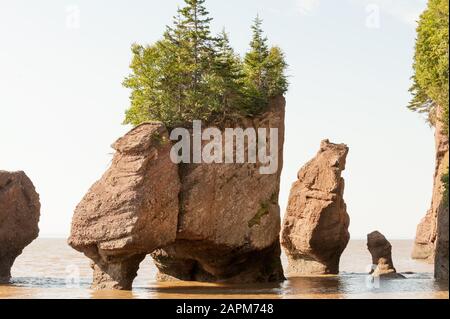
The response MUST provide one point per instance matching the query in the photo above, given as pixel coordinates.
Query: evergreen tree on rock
(192, 75)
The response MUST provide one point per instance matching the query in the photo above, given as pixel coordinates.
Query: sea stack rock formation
(381, 250)
(425, 243)
(315, 229)
(19, 218)
(200, 222)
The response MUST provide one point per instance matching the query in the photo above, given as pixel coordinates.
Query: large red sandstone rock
(229, 221)
(131, 210)
(19, 218)
(206, 222)
(315, 229)
(425, 242)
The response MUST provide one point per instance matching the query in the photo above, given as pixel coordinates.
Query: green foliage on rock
(262, 211)
(430, 80)
(192, 75)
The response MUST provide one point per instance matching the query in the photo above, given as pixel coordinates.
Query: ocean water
(49, 268)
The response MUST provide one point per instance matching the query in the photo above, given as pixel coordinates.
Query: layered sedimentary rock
(205, 222)
(131, 210)
(425, 242)
(229, 220)
(315, 229)
(441, 269)
(381, 250)
(19, 218)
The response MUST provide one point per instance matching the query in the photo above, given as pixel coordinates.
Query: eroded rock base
(205, 263)
(6, 263)
(116, 273)
(298, 266)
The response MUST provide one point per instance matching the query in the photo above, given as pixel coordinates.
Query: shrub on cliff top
(430, 80)
(192, 75)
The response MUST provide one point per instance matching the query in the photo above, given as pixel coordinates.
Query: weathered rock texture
(315, 230)
(19, 218)
(204, 222)
(131, 210)
(229, 222)
(442, 259)
(381, 250)
(425, 243)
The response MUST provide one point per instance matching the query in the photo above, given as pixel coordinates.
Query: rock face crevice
(425, 242)
(19, 218)
(204, 222)
(315, 229)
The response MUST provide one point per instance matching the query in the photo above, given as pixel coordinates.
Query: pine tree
(277, 83)
(255, 71)
(264, 71)
(197, 46)
(229, 77)
(143, 82)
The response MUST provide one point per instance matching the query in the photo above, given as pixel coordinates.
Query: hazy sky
(62, 104)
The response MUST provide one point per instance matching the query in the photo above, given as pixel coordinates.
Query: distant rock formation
(19, 218)
(315, 229)
(425, 243)
(203, 222)
(381, 250)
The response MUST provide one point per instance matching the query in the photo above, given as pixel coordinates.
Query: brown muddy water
(48, 268)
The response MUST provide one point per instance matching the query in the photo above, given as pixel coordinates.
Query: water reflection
(201, 290)
(51, 269)
(342, 286)
(326, 285)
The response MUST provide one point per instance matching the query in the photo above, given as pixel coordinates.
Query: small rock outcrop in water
(425, 243)
(381, 250)
(315, 230)
(203, 222)
(19, 218)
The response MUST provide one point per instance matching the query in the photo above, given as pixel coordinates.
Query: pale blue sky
(62, 104)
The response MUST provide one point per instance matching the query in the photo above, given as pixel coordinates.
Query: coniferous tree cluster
(192, 75)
